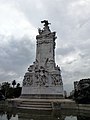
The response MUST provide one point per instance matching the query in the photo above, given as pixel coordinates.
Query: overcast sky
(19, 21)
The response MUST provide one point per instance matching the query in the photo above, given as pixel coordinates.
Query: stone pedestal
(43, 79)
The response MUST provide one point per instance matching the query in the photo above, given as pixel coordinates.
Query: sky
(19, 23)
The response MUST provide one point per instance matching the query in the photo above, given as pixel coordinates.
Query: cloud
(16, 57)
(65, 50)
(13, 22)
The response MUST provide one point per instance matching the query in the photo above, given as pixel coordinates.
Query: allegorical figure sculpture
(43, 79)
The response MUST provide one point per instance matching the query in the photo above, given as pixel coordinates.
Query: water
(17, 114)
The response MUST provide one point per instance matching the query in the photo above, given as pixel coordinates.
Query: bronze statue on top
(46, 28)
(46, 22)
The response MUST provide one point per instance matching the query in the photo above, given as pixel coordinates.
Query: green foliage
(5, 88)
(82, 93)
(9, 91)
(18, 85)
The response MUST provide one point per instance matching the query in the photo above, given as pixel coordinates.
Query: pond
(19, 114)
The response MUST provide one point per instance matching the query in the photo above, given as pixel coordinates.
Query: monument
(43, 79)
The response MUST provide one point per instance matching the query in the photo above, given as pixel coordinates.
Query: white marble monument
(43, 79)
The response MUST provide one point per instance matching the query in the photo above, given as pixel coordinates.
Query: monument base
(52, 92)
(41, 96)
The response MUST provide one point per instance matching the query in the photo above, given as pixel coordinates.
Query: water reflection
(16, 114)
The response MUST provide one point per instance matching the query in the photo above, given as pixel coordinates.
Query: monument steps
(45, 105)
(34, 108)
(35, 103)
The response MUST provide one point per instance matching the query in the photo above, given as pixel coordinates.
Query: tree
(5, 88)
(82, 93)
(9, 91)
(18, 85)
(14, 83)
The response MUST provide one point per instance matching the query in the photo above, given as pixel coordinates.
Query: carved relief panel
(41, 76)
(56, 79)
(28, 80)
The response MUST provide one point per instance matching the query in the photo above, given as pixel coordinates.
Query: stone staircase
(40, 105)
